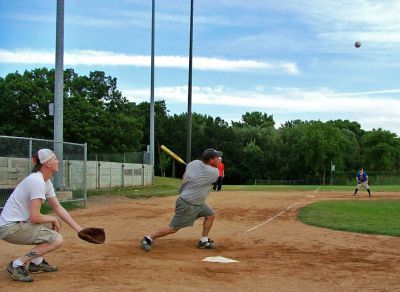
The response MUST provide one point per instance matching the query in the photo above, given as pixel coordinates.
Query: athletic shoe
(19, 273)
(207, 245)
(40, 268)
(146, 244)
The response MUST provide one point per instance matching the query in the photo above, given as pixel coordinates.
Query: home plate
(218, 259)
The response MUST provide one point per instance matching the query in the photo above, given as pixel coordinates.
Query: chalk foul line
(275, 216)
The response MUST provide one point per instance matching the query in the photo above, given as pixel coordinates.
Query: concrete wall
(100, 174)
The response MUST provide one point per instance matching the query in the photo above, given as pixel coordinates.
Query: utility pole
(59, 95)
(189, 111)
(151, 148)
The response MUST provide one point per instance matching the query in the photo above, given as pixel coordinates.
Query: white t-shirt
(17, 206)
(197, 182)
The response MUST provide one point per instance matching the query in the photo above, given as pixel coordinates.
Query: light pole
(58, 95)
(152, 88)
(189, 122)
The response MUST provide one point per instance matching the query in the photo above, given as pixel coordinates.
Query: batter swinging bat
(172, 154)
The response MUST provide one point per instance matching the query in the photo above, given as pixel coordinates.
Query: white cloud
(374, 21)
(373, 109)
(91, 57)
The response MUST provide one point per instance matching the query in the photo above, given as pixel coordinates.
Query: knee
(211, 218)
(58, 242)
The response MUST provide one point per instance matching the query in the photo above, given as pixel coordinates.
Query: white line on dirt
(275, 216)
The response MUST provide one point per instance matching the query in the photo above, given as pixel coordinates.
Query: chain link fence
(338, 178)
(374, 177)
(16, 163)
(126, 157)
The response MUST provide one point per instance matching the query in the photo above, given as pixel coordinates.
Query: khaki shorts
(26, 233)
(186, 214)
(363, 184)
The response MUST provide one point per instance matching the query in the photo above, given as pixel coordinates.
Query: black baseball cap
(211, 153)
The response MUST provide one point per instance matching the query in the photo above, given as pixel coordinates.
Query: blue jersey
(361, 177)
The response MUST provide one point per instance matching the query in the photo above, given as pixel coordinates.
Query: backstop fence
(79, 173)
(16, 163)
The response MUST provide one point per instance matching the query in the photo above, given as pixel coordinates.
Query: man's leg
(207, 224)
(17, 269)
(147, 241)
(163, 231)
(205, 242)
(40, 250)
(219, 183)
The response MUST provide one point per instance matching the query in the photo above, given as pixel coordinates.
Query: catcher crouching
(21, 221)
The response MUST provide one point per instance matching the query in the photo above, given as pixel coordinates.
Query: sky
(290, 59)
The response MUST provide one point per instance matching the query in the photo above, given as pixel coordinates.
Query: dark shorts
(186, 214)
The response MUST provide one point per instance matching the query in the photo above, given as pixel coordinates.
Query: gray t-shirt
(197, 182)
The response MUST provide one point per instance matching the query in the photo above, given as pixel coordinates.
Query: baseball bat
(172, 154)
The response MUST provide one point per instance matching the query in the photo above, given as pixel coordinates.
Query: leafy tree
(381, 150)
(24, 103)
(94, 110)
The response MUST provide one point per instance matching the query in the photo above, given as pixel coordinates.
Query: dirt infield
(279, 254)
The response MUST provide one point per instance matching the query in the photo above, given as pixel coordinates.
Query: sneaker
(207, 245)
(146, 244)
(42, 267)
(19, 273)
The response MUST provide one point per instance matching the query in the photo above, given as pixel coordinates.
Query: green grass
(165, 186)
(294, 188)
(46, 209)
(162, 187)
(371, 217)
(374, 217)
(385, 188)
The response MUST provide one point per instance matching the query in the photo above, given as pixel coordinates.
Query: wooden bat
(172, 154)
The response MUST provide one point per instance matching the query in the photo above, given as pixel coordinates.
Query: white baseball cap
(45, 155)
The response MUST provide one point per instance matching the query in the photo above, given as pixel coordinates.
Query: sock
(204, 239)
(149, 239)
(355, 192)
(369, 192)
(17, 263)
(37, 261)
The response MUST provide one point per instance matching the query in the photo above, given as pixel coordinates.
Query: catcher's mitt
(92, 235)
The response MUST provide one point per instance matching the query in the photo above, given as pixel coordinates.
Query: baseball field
(259, 229)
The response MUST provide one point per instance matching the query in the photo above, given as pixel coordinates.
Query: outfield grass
(162, 187)
(165, 186)
(371, 217)
(375, 216)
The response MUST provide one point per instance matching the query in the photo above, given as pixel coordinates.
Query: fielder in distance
(362, 182)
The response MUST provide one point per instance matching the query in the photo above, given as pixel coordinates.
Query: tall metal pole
(189, 111)
(58, 95)
(152, 87)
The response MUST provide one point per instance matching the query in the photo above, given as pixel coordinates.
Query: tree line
(97, 113)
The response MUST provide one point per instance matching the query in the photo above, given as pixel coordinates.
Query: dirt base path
(278, 254)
